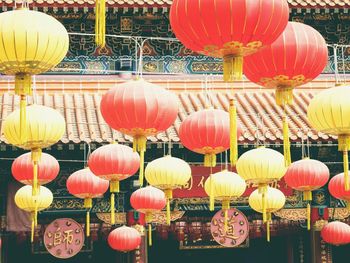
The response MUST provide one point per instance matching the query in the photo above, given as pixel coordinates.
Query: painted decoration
(64, 238)
(237, 228)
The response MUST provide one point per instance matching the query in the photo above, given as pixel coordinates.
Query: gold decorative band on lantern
(233, 133)
(344, 146)
(36, 157)
(100, 23)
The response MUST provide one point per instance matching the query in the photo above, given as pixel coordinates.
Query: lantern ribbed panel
(275, 200)
(114, 162)
(45, 126)
(329, 111)
(84, 184)
(200, 24)
(22, 169)
(307, 175)
(148, 199)
(261, 165)
(139, 108)
(168, 172)
(124, 239)
(226, 185)
(30, 42)
(336, 233)
(336, 187)
(27, 202)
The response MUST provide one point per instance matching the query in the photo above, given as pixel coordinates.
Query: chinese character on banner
(64, 238)
(237, 228)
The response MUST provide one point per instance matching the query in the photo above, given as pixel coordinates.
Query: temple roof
(167, 3)
(258, 113)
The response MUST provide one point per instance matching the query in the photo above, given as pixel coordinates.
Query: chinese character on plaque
(237, 228)
(64, 238)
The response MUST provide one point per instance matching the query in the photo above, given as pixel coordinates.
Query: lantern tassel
(263, 190)
(36, 213)
(307, 196)
(140, 146)
(88, 205)
(344, 146)
(286, 142)
(348, 205)
(32, 230)
(150, 235)
(233, 134)
(112, 209)
(23, 119)
(35, 156)
(233, 68)
(268, 235)
(210, 160)
(225, 207)
(284, 96)
(168, 195)
(100, 23)
(211, 195)
(23, 87)
(308, 215)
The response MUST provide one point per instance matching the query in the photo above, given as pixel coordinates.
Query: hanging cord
(286, 141)
(343, 62)
(336, 70)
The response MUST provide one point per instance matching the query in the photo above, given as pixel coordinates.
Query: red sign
(64, 238)
(195, 187)
(237, 228)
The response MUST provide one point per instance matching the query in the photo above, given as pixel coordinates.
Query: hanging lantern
(168, 173)
(275, 200)
(148, 200)
(298, 56)
(328, 112)
(85, 185)
(124, 239)
(114, 162)
(139, 109)
(32, 204)
(228, 29)
(261, 167)
(336, 233)
(208, 132)
(224, 186)
(337, 189)
(31, 42)
(22, 169)
(45, 127)
(307, 175)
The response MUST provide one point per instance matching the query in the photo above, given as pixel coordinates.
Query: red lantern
(207, 132)
(139, 109)
(84, 184)
(114, 162)
(307, 175)
(336, 233)
(228, 29)
(124, 239)
(22, 169)
(298, 56)
(148, 200)
(336, 188)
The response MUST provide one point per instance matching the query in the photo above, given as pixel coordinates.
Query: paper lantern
(44, 127)
(148, 200)
(337, 189)
(260, 167)
(22, 169)
(275, 200)
(328, 112)
(307, 175)
(124, 239)
(32, 204)
(85, 185)
(31, 43)
(228, 29)
(114, 162)
(298, 56)
(139, 109)
(224, 186)
(168, 173)
(336, 233)
(208, 132)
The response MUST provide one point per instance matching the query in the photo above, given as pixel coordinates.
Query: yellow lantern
(31, 42)
(168, 173)
(275, 200)
(32, 204)
(45, 126)
(260, 167)
(224, 186)
(329, 112)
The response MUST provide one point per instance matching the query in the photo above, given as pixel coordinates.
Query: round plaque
(64, 238)
(237, 228)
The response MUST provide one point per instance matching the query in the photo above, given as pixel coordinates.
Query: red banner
(195, 187)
